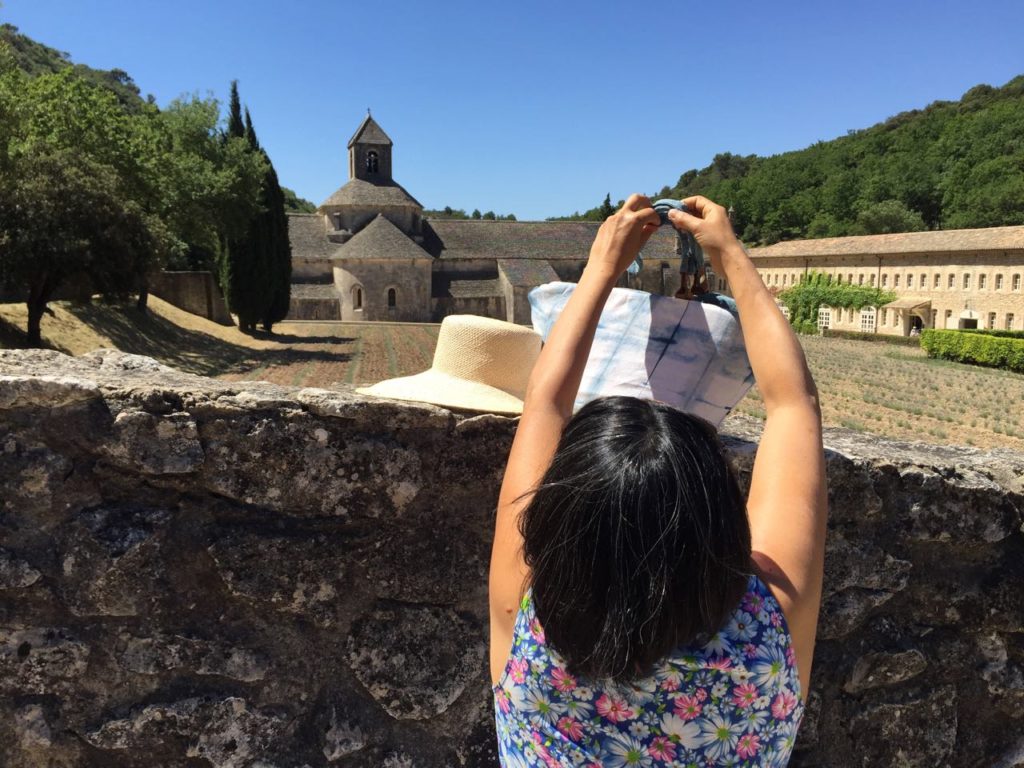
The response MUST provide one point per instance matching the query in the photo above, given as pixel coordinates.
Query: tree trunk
(143, 298)
(35, 315)
(39, 294)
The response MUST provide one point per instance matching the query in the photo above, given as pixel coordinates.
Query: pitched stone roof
(527, 272)
(474, 289)
(380, 239)
(991, 239)
(360, 192)
(308, 237)
(369, 132)
(549, 240)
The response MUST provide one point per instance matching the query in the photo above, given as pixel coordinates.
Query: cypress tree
(235, 126)
(241, 273)
(280, 253)
(269, 238)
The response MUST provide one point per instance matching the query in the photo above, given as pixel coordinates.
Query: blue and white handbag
(687, 353)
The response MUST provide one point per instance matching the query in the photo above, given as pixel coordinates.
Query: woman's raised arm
(547, 408)
(787, 504)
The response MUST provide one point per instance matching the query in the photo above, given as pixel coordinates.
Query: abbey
(368, 253)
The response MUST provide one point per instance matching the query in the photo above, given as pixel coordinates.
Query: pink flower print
(701, 694)
(662, 749)
(783, 704)
(541, 748)
(517, 670)
(791, 656)
(748, 745)
(615, 710)
(750, 650)
(753, 602)
(562, 680)
(688, 707)
(502, 698)
(537, 631)
(571, 729)
(777, 620)
(744, 695)
(670, 683)
(723, 663)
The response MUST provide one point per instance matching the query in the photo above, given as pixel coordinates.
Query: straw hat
(479, 364)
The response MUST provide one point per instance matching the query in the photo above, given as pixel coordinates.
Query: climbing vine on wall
(816, 290)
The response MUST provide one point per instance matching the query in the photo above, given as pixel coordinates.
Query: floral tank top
(734, 701)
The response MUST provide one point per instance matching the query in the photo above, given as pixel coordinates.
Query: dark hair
(637, 537)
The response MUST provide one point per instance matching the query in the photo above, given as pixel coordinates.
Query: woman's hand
(622, 235)
(710, 227)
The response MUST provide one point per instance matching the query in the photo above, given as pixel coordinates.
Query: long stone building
(964, 278)
(368, 253)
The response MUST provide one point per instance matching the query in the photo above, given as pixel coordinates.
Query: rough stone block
(877, 670)
(16, 573)
(415, 660)
(225, 732)
(296, 575)
(40, 660)
(110, 560)
(920, 733)
(165, 653)
(155, 445)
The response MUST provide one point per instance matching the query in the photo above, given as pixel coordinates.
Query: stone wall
(314, 309)
(485, 306)
(195, 292)
(204, 573)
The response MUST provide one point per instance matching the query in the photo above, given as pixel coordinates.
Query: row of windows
(357, 297)
(869, 315)
(922, 280)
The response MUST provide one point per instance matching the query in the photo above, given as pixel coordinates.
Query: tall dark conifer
(270, 241)
(242, 275)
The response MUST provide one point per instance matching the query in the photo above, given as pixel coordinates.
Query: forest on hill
(953, 164)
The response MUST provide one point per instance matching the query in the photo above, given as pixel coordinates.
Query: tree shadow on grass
(14, 337)
(291, 338)
(191, 351)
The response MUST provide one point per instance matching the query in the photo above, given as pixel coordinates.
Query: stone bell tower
(369, 153)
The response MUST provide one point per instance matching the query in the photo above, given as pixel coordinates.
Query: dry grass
(300, 354)
(899, 392)
(871, 387)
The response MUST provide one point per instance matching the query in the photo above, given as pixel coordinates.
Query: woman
(643, 612)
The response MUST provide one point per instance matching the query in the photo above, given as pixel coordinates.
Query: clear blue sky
(540, 108)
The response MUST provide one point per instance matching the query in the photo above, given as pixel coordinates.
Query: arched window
(357, 297)
(371, 162)
(392, 298)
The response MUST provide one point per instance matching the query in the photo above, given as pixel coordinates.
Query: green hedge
(907, 341)
(806, 327)
(993, 332)
(977, 348)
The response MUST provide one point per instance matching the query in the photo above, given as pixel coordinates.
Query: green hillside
(952, 164)
(36, 59)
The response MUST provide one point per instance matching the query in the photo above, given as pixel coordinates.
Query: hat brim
(439, 388)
